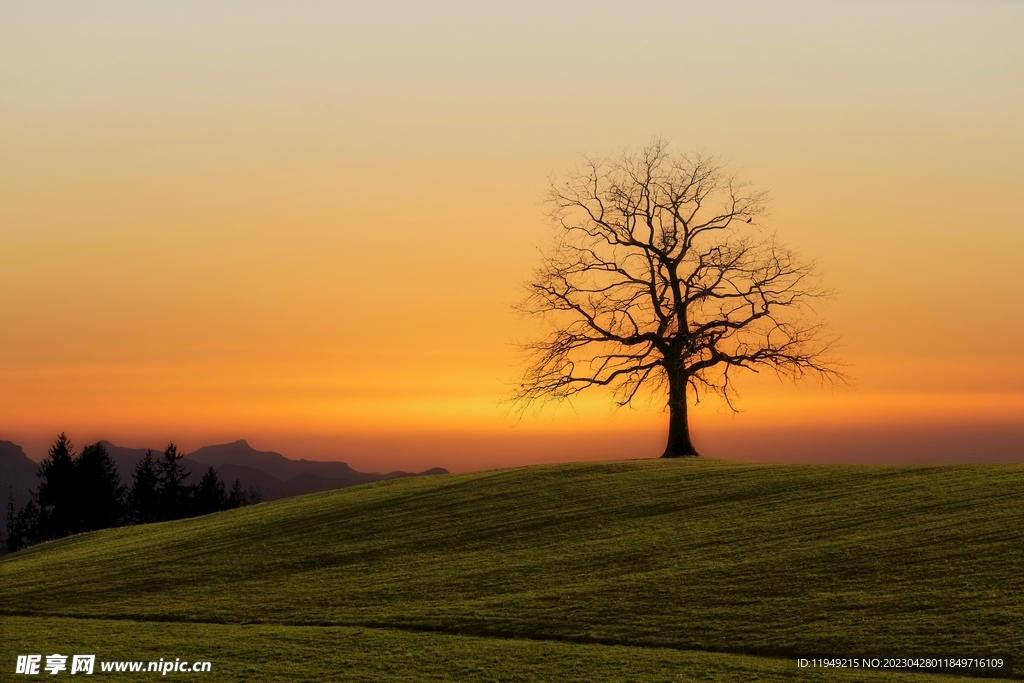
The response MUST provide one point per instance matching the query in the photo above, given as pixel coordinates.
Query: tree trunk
(679, 444)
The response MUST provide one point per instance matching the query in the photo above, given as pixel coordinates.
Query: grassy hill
(657, 561)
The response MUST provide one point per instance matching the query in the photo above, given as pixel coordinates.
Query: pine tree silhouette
(175, 496)
(144, 498)
(57, 515)
(97, 494)
(210, 495)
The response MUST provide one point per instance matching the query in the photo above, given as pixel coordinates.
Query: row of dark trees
(84, 492)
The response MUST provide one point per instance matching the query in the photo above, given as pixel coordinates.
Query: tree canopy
(661, 278)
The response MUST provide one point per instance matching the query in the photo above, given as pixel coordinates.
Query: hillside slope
(697, 555)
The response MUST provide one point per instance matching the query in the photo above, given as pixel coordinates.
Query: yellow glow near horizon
(287, 219)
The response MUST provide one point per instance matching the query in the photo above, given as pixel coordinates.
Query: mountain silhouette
(17, 474)
(275, 464)
(127, 458)
(293, 477)
(267, 472)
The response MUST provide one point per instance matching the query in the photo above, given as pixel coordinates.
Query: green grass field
(642, 570)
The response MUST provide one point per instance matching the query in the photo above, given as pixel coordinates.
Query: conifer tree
(98, 493)
(56, 515)
(210, 495)
(174, 494)
(144, 499)
(236, 495)
(31, 524)
(14, 540)
(239, 497)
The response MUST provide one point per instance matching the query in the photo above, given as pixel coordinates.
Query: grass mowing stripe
(302, 653)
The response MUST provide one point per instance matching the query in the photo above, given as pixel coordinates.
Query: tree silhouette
(173, 493)
(239, 497)
(14, 539)
(144, 498)
(661, 278)
(25, 528)
(236, 496)
(97, 494)
(209, 495)
(58, 511)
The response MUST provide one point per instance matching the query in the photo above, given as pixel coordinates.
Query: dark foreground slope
(694, 555)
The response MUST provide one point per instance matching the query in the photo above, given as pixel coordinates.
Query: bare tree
(661, 278)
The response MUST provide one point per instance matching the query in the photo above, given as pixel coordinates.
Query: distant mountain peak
(434, 470)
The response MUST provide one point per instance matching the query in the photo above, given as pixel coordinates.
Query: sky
(304, 223)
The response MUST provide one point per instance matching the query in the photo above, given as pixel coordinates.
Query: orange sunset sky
(303, 224)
